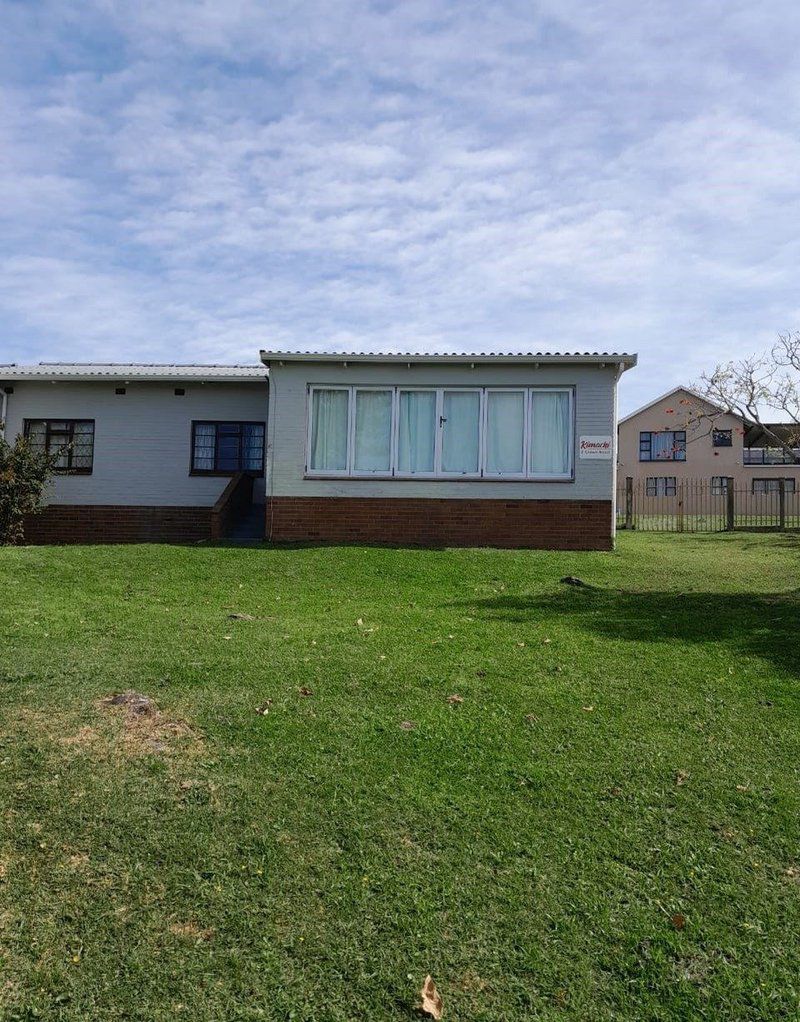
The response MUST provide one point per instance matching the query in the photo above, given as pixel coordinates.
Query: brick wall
(87, 523)
(544, 524)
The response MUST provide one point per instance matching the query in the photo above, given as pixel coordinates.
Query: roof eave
(623, 360)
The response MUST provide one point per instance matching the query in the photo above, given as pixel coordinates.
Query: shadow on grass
(763, 625)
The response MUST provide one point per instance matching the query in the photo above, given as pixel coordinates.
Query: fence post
(731, 509)
(782, 504)
(681, 498)
(629, 502)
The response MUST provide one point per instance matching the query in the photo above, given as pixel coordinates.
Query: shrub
(24, 473)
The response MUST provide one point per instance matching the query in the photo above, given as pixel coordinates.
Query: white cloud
(194, 180)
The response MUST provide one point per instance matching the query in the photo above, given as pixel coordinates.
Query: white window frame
(526, 475)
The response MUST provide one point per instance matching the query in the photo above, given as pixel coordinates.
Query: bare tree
(748, 386)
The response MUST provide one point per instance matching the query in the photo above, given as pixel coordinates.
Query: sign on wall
(596, 447)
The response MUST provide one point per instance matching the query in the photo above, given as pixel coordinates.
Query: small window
(719, 486)
(773, 485)
(722, 437)
(225, 448)
(661, 486)
(664, 445)
(71, 440)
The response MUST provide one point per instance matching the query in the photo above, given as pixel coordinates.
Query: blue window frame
(663, 445)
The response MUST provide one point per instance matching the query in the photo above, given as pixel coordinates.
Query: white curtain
(373, 447)
(505, 431)
(661, 446)
(461, 432)
(416, 431)
(550, 433)
(329, 430)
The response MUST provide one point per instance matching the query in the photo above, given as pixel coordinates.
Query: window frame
(227, 472)
(437, 474)
(649, 433)
(767, 490)
(719, 488)
(725, 434)
(69, 470)
(667, 486)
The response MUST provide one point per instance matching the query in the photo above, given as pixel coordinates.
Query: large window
(441, 432)
(71, 440)
(661, 486)
(666, 445)
(224, 448)
(772, 485)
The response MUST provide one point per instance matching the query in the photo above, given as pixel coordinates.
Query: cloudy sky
(191, 181)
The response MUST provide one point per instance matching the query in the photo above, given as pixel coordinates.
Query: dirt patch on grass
(191, 931)
(145, 729)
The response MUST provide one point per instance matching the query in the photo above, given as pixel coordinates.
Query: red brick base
(544, 524)
(87, 523)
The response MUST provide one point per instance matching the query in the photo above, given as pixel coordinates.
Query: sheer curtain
(416, 431)
(550, 433)
(661, 446)
(461, 432)
(505, 432)
(329, 430)
(373, 448)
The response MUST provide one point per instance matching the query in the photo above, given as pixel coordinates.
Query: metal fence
(668, 504)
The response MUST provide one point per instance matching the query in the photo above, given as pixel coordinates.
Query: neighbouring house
(159, 453)
(683, 436)
(513, 450)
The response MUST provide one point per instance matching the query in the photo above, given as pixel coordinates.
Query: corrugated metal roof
(449, 356)
(122, 371)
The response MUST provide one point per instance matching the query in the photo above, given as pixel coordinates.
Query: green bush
(24, 473)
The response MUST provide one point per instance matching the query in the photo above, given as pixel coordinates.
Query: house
(512, 450)
(507, 450)
(149, 452)
(681, 435)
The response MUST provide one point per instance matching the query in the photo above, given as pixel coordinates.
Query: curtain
(373, 444)
(329, 430)
(204, 444)
(461, 432)
(505, 432)
(661, 446)
(550, 433)
(416, 431)
(253, 447)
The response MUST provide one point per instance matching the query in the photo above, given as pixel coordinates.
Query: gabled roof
(124, 371)
(460, 357)
(677, 390)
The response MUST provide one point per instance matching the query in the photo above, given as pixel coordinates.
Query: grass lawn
(607, 827)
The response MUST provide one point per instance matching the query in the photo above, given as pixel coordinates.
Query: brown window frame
(226, 471)
(69, 432)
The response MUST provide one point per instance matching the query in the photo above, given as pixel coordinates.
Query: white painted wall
(142, 445)
(595, 389)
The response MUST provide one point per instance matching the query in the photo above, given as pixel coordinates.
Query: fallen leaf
(241, 617)
(304, 690)
(360, 622)
(678, 921)
(681, 777)
(742, 787)
(263, 709)
(431, 999)
(793, 872)
(454, 699)
(546, 642)
(588, 709)
(531, 718)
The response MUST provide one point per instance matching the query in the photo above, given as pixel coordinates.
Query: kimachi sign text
(596, 447)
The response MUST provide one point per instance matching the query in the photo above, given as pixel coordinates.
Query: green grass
(607, 827)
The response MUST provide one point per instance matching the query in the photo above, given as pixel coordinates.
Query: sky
(193, 181)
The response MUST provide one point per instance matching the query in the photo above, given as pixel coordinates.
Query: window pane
(373, 445)
(505, 429)
(550, 433)
(662, 446)
(461, 432)
(416, 431)
(329, 430)
(253, 456)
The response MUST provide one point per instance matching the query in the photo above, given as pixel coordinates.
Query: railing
(698, 505)
(234, 499)
(770, 456)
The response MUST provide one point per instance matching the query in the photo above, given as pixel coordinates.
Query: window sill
(255, 473)
(336, 477)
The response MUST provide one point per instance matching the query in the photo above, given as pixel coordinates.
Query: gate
(668, 504)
